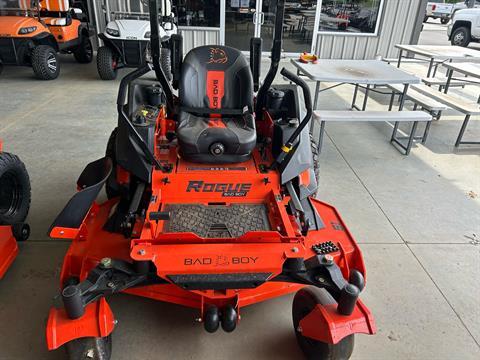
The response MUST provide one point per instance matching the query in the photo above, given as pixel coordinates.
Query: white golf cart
(126, 41)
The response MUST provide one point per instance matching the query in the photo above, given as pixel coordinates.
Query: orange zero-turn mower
(211, 206)
(14, 206)
(32, 33)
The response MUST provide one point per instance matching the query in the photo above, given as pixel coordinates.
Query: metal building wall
(399, 25)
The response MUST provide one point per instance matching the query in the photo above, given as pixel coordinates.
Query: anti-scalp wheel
(304, 302)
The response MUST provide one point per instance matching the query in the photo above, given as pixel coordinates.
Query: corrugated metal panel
(193, 37)
(397, 25)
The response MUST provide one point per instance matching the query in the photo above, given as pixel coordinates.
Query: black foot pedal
(325, 248)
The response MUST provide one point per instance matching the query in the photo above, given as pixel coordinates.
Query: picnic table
(355, 72)
(468, 69)
(438, 53)
(368, 73)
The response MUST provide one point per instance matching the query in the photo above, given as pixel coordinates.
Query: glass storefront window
(350, 16)
(203, 13)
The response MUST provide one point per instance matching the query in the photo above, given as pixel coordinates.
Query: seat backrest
(166, 8)
(216, 77)
(55, 5)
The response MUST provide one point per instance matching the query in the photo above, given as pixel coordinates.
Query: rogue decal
(227, 190)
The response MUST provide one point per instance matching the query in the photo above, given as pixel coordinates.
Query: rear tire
(304, 302)
(461, 37)
(445, 21)
(166, 63)
(15, 191)
(84, 53)
(90, 348)
(107, 64)
(45, 62)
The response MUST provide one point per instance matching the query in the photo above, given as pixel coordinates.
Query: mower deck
(8, 249)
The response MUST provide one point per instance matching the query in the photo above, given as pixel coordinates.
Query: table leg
(320, 138)
(400, 58)
(412, 137)
(392, 99)
(427, 130)
(317, 91)
(404, 96)
(449, 80)
(462, 131)
(367, 91)
(355, 93)
(432, 61)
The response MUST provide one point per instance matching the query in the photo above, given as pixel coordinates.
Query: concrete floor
(417, 219)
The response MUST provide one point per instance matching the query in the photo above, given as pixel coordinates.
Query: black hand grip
(300, 82)
(308, 105)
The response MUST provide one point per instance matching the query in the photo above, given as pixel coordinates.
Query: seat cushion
(199, 136)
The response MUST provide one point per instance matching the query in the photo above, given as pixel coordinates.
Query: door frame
(258, 27)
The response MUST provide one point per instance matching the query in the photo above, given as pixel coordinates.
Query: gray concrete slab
(455, 270)
(26, 294)
(414, 320)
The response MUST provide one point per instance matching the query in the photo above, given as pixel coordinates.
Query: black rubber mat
(217, 221)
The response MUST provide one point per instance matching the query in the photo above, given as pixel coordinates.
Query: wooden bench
(467, 108)
(374, 116)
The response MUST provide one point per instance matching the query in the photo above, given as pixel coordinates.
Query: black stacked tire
(15, 191)
(106, 63)
(45, 62)
(90, 348)
(84, 53)
(304, 302)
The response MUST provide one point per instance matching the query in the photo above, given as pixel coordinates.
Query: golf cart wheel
(461, 37)
(45, 62)
(444, 21)
(107, 63)
(304, 302)
(15, 191)
(90, 348)
(84, 53)
(315, 158)
(166, 63)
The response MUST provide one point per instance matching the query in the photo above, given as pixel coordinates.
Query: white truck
(438, 9)
(465, 27)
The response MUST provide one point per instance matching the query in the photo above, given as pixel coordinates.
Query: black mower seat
(216, 124)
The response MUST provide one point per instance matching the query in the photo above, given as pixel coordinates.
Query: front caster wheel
(304, 302)
(90, 348)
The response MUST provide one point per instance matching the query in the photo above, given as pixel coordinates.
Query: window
(350, 16)
(204, 13)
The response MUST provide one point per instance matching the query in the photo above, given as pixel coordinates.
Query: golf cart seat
(56, 12)
(216, 123)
